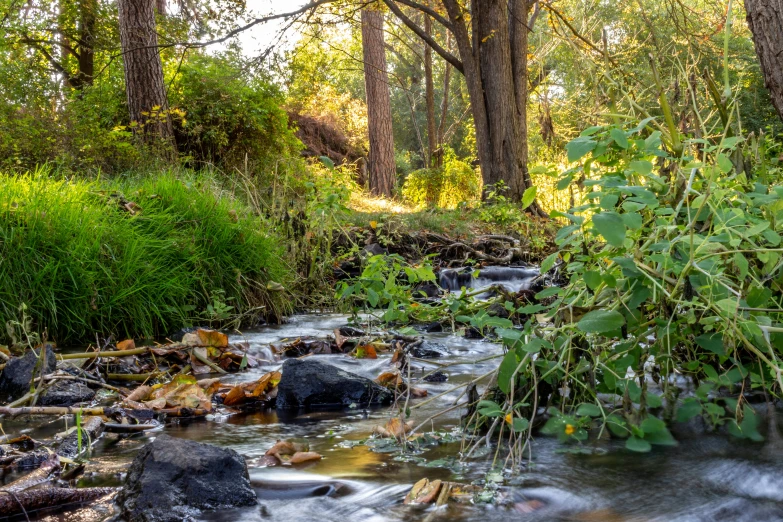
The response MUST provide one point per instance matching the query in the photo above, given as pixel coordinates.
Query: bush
(134, 257)
(456, 182)
(230, 120)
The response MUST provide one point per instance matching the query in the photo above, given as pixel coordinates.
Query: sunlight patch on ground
(363, 202)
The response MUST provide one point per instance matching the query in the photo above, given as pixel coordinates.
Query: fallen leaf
(282, 447)
(423, 492)
(304, 456)
(127, 344)
(235, 397)
(418, 393)
(212, 338)
(139, 394)
(366, 351)
(391, 380)
(394, 429)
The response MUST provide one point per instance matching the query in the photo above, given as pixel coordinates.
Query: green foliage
(230, 118)
(387, 283)
(135, 257)
(453, 184)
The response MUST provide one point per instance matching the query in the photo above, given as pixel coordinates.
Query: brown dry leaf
(127, 344)
(394, 428)
(270, 380)
(139, 394)
(391, 380)
(304, 456)
(235, 397)
(184, 392)
(212, 338)
(365, 351)
(339, 338)
(423, 492)
(283, 447)
(418, 393)
(155, 404)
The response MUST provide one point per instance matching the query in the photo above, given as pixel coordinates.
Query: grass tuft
(83, 263)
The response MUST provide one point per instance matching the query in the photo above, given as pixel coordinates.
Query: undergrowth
(135, 257)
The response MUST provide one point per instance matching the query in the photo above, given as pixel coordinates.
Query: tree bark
(765, 19)
(144, 85)
(87, 25)
(492, 39)
(379, 116)
(429, 81)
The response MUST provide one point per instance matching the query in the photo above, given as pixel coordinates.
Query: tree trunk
(444, 108)
(493, 58)
(765, 19)
(429, 81)
(144, 85)
(379, 115)
(87, 22)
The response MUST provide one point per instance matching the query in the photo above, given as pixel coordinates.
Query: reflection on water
(710, 478)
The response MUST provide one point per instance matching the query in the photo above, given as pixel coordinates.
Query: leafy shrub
(134, 257)
(230, 120)
(456, 182)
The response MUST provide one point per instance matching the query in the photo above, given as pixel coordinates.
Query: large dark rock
(309, 383)
(18, 373)
(66, 393)
(172, 480)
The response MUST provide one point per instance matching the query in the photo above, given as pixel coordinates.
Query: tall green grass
(83, 264)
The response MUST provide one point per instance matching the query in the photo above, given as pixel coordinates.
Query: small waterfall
(513, 279)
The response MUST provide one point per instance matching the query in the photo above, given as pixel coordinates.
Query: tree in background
(492, 40)
(765, 19)
(382, 169)
(144, 85)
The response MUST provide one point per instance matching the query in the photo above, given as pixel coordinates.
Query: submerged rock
(309, 383)
(428, 350)
(173, 479)
(66, 393)
(18, 373)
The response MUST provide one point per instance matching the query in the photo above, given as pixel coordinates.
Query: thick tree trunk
(765, 19)
(429, 81)
(144, 85)
(379, 117)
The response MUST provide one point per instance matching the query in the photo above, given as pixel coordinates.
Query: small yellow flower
(570, 429)
(509, 419)
(373, 225)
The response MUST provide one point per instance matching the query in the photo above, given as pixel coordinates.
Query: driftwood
(40, 476)
(91, 429)
(32, 499)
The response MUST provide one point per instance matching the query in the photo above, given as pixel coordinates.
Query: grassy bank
(134, 257)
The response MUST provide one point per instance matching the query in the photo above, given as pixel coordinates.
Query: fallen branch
(33, 499)
(95, 355)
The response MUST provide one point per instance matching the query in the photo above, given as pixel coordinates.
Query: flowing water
(705, 478)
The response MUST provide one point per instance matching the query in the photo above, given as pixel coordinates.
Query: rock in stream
(18, 373)
(173, 479)
(309, 383)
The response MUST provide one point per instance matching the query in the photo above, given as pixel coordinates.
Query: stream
(705, 478)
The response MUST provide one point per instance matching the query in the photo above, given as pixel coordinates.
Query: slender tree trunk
(144, 85)
(160, 7)
(379, 116)
(87, 24)
(765, 19)
(432, 126)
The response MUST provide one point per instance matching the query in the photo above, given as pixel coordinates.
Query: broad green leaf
(593, 279)
(579, 147)
(712, 343)
(619, 137)
(639, 445)
(506, 371)
(549, 262)
(652, 425)
(519, 425)
(688, 410)
(529, 197)
(601, 321)
(588, 410)
(642, 167)
(611, 226)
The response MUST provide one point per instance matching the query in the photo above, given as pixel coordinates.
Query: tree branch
(428, 10)
(453, 60)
